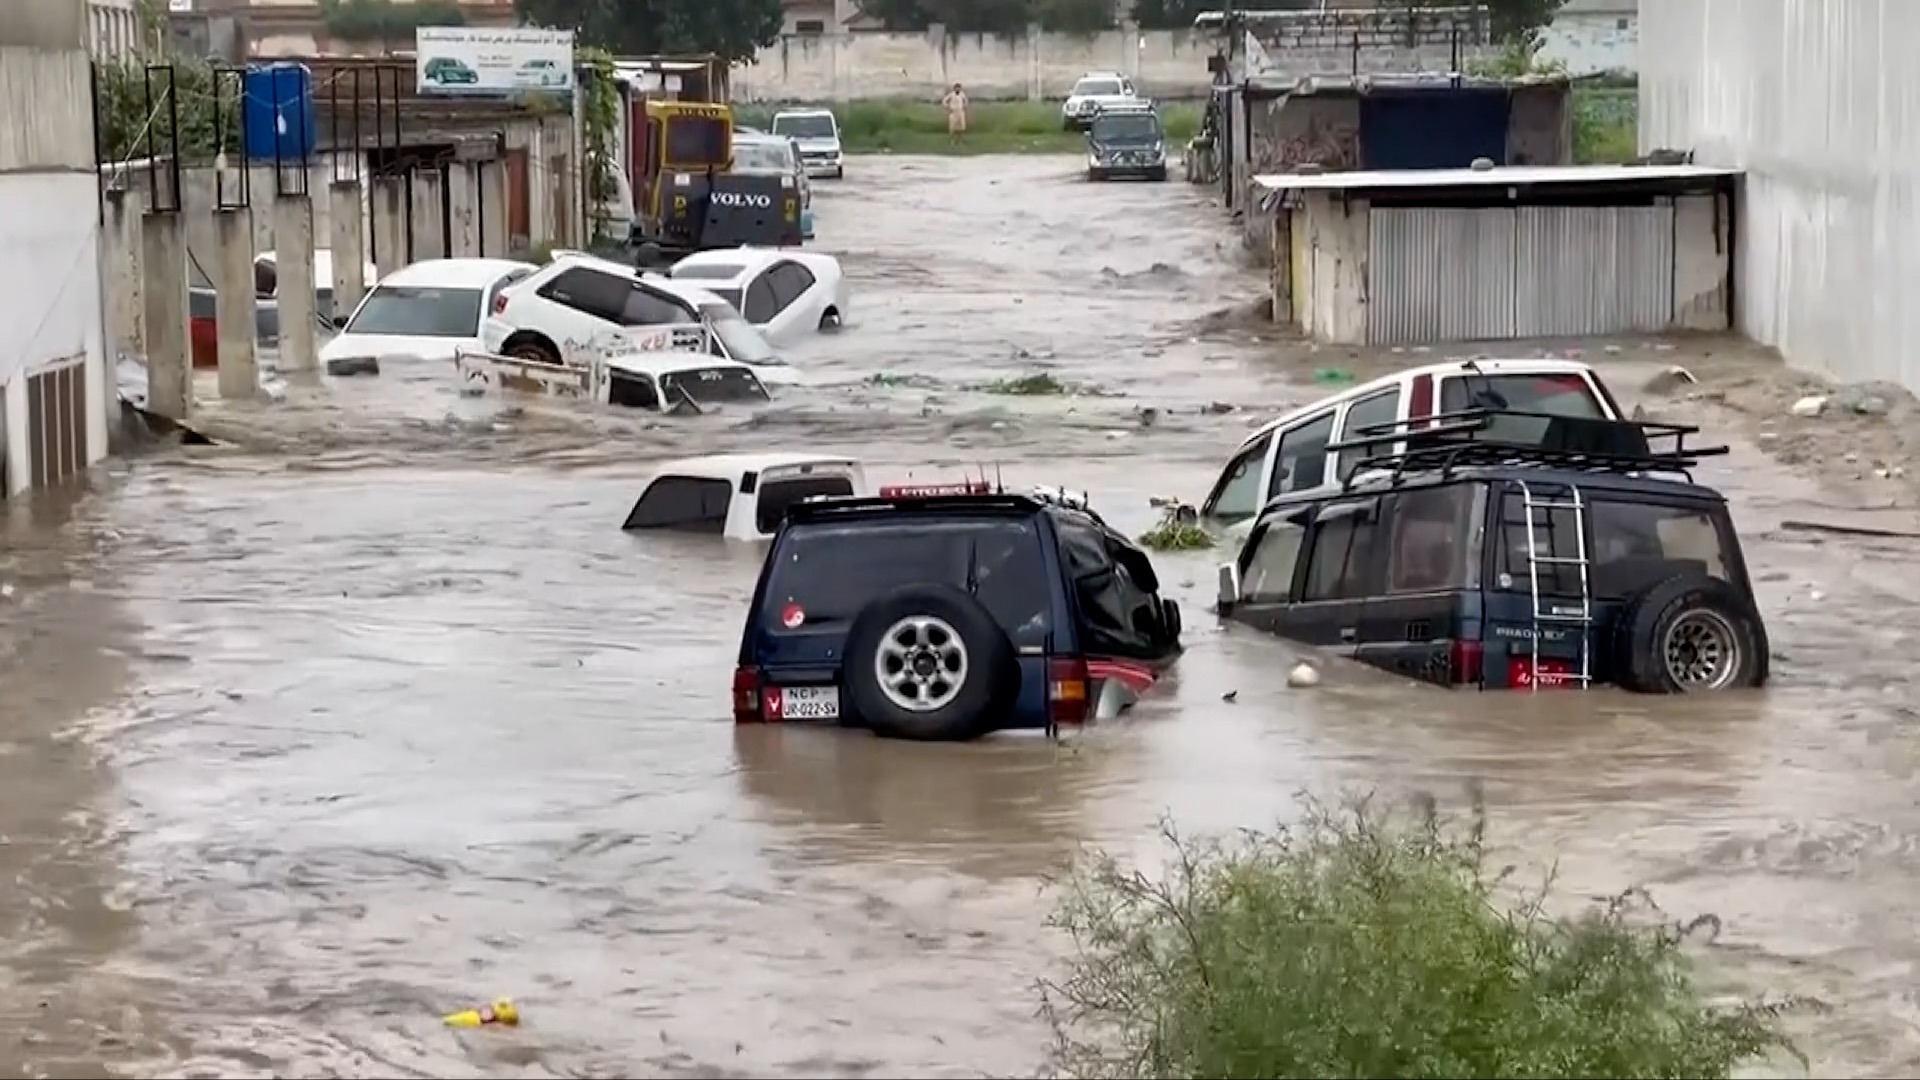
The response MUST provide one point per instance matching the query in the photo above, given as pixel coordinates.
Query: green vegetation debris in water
(1177, 531)
(1039, 384)
(1360, 944)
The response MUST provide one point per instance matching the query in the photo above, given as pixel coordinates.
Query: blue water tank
(278, 115)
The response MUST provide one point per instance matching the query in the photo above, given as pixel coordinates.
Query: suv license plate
(803, 703)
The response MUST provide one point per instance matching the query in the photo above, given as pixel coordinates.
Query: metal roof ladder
(1540, 514)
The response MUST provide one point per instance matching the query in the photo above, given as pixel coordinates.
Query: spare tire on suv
(928, 662)
(1690, 634)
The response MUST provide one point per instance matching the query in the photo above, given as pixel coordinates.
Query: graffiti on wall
(1296, 133)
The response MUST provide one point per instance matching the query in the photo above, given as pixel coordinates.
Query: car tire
(969, 674)
(1097, 174)
(1690, 634)
(1158, 175)
(530, 347)
(840, 173)
(1170, 615)
(830, 319)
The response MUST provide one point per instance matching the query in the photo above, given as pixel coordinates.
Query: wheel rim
(1702, 651)
(921, 663)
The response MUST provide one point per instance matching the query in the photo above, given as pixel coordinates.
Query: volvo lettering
(745, 199)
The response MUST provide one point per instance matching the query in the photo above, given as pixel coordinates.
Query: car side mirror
(1229, 586)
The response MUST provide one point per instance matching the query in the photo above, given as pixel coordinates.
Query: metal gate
(1594, 269)
(1439, 274)
(56, 424)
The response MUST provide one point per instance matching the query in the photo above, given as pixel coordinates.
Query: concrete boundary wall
(1823, 271)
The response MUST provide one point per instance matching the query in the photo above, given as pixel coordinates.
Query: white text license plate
(804, 703)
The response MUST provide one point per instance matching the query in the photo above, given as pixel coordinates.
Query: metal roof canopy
(1499, 176)
(1276, 187)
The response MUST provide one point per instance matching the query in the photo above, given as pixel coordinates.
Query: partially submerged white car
(740, 496)
(1291, 453)
(576, 302)
(788, 294)
(658, 381)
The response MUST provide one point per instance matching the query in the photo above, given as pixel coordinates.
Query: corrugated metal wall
(1819, 101)
(1439, 274)
(1593, 269)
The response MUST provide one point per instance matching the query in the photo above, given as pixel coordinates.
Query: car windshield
(743, 342)
(760, 157)
(1132, 127)
(1096, 87)
(834, 569)
(712, 386)
(1556, 394)
(805, 126)
(418, 311)
(707, 271)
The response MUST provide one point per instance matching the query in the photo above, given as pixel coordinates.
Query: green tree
(734, 29)
(384, 20)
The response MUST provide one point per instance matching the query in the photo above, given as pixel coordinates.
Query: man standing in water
(956, 105)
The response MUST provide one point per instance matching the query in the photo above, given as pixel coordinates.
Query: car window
(1555, 535)
(1128, 126)
(590, 292)
(1096, 87)
(776, 495)
(683, 502)
(713, 386)
(631, 391)
(742, 341)
(1303, 457)
(1637, 545)
(418, 311)
(1268, 577)
(1342, 556)
(1432, 534)
(763, 303)
(833, 570)
(763, 157)
(645, 308)
(805, 126)
(1559, 394)
(790, 282)
(1237, 494)
(1374, 410)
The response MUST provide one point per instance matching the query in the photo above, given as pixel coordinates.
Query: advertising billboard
(492, 62)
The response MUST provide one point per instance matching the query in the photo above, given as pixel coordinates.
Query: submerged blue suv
(950, 612)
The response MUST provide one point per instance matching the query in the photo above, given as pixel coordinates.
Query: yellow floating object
(500, 1012)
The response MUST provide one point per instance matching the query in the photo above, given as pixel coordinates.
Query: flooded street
(376, 714)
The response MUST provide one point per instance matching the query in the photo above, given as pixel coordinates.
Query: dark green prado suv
(1127, 140)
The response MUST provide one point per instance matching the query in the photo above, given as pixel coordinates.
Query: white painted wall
(1817, 100)
(1590, 43)
(49, 219)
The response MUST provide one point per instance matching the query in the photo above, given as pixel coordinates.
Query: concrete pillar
(349, 229)
(463, 195)
(163, 264)
(234, 304)
(293, 264)
(493, 208)
(389, 202)
(429, 222)
(120, 263)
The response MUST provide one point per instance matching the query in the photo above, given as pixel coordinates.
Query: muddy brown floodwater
(376, 714)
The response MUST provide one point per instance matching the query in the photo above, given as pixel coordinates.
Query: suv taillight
(1067, 691)
(746, 694)
(1466, 659)
(500, 302)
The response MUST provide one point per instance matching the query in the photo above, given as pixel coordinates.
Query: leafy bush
(1357, 945)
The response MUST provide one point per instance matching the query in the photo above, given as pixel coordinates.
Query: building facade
(53, 385)
(113, 29)
(1594, 37)
(1810, 98)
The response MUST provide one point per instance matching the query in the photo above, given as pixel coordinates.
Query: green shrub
(1356, 945)
(1606, 128)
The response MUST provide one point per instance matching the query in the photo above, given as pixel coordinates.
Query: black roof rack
(1448, 441)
